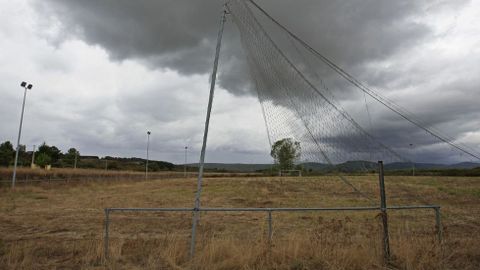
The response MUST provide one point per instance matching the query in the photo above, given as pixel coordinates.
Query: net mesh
(297, 108)
(297, 103)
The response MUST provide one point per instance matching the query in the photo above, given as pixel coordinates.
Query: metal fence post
(438, 224)
(270, 231)
(383, 209)
(106, 236)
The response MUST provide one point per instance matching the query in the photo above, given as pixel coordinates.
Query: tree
(23, 157)
(55, 153)
(286, 152)
(69, 157)
(43, 159)
(7, 153)
(51, 151)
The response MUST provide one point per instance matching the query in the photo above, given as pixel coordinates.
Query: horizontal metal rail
(108, 211)
(276, 209)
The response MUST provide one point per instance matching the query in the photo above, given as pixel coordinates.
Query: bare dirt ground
(60, 225)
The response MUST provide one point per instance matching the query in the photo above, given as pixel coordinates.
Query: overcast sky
(105, 72)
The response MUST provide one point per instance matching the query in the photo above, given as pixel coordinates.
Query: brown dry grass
(60, 226)
(28, 176)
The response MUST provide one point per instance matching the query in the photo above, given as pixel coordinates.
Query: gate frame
(108, 211)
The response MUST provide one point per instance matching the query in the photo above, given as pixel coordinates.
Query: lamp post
(146, 164)
(185, 164)
(25, 86)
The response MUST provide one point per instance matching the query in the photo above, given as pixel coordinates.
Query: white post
(185, 163)
(75, 161)
(33, 157)
(146, 164)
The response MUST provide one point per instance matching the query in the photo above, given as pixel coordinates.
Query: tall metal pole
(146, 164)
(205, 134)
(14, 177)
(33, 157)
(185, 163)
(383, 209)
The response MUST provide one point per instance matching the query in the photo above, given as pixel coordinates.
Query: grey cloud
(352, 33)
(167, 32)
(181, 34)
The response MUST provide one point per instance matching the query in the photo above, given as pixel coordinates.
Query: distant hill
(349, 166)
(464, 165)
(430, 166)
(121, 163)
(408, 165)
(233, 167)
(315, 166)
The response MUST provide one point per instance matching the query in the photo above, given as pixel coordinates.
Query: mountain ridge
(346, 166)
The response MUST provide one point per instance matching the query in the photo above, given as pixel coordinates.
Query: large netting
(291, 80)
(294, 107)
(297, 103)
(297, 108)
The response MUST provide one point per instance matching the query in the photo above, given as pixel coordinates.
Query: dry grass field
(60, 225)
(27, 175)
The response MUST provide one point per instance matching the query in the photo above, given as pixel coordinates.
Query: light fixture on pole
(26, 86)
(185, 163)
(146, 164)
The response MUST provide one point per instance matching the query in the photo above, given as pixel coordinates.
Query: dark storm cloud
(181, 34)
(352, 32)
(161, 31)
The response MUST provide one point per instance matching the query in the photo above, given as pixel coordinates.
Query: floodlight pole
(185, 163)
(205, 134)
(25, 86)
(146, 164)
